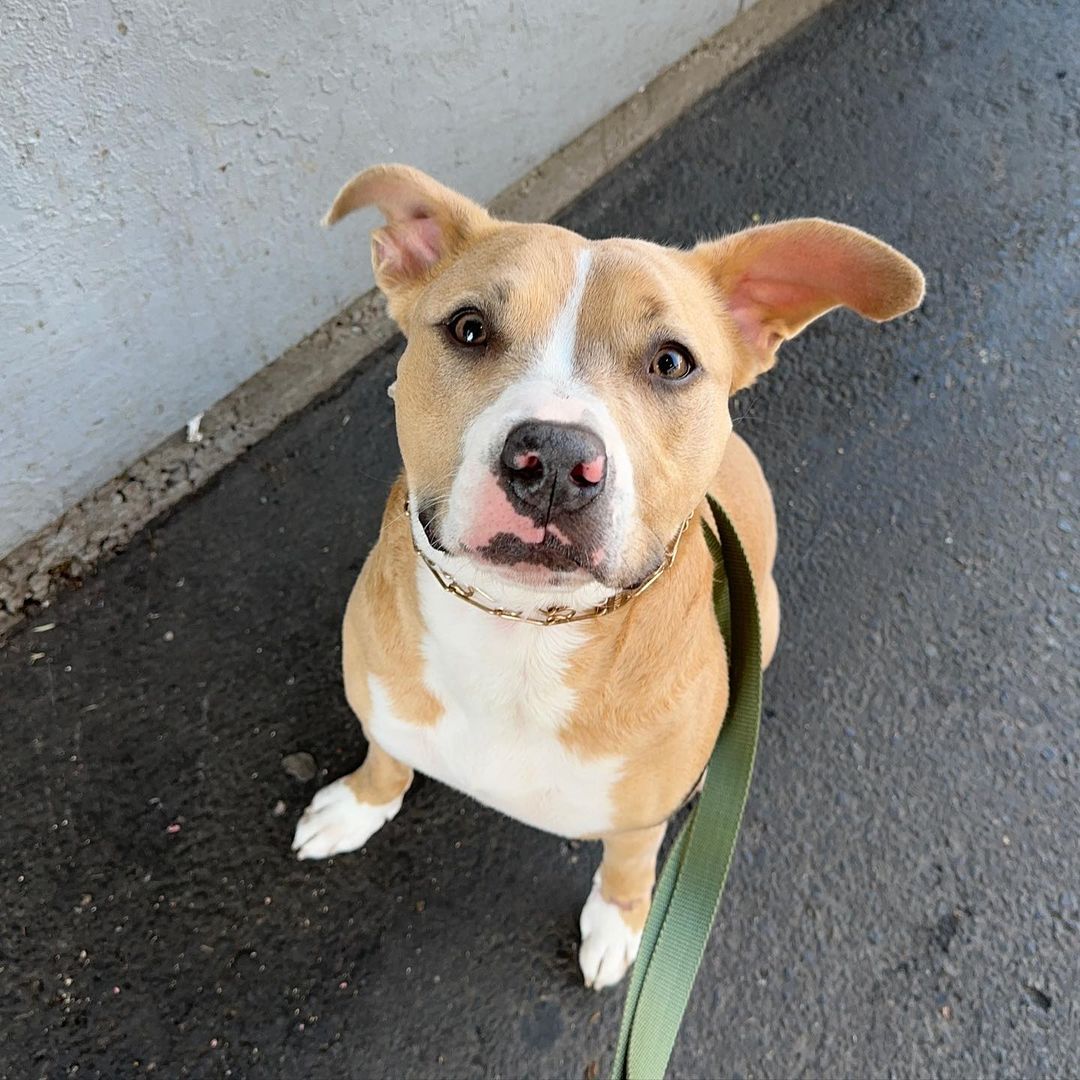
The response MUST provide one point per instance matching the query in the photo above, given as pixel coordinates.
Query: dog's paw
(336, 822)
(608, 945)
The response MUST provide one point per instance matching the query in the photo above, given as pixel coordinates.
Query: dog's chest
(505, 697)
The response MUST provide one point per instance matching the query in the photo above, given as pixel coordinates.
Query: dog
(535, 625)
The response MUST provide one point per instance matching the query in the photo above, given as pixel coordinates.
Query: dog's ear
(426, 224)
(776, 279)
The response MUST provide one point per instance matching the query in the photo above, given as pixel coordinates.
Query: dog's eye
(671, 362)
(467, 327)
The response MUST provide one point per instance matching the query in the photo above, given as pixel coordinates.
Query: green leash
(692, 881)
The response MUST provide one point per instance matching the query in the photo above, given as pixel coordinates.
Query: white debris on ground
(193, 425)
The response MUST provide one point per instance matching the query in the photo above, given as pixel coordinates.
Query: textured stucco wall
(163, 166)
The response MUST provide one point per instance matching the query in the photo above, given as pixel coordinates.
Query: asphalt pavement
(905, 900)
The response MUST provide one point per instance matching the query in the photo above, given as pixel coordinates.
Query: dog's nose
(555, 468)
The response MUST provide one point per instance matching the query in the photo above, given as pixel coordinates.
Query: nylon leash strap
(692, 881)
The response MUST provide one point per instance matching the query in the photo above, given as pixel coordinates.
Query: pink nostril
(523, 462)
(588, 472)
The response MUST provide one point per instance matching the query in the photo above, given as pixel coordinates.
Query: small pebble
(300, 766)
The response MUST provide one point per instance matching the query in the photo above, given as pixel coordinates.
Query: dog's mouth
(550, 559)
(508, 550)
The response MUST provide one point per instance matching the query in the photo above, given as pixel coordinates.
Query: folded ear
(426, 223)
(776, 279)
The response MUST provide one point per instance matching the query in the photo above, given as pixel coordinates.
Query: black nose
(553, 468)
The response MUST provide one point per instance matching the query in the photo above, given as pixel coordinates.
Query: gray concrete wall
(163, 167)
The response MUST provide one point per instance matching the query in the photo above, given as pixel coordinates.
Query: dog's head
(562, 403)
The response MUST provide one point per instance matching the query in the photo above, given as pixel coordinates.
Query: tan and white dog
(562, 409)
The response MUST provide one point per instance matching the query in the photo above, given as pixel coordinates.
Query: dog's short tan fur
(648, 682)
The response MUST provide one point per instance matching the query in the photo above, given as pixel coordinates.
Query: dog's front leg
(344, 815)
(614, 915)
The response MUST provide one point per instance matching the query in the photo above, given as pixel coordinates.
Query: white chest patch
(502, 687)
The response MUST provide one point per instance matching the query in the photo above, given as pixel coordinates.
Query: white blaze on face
(556, 364)
(550, 390)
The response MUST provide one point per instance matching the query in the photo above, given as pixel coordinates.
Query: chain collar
(556, 615)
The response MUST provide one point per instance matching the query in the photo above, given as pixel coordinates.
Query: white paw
(335, 822)
(608, 945)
